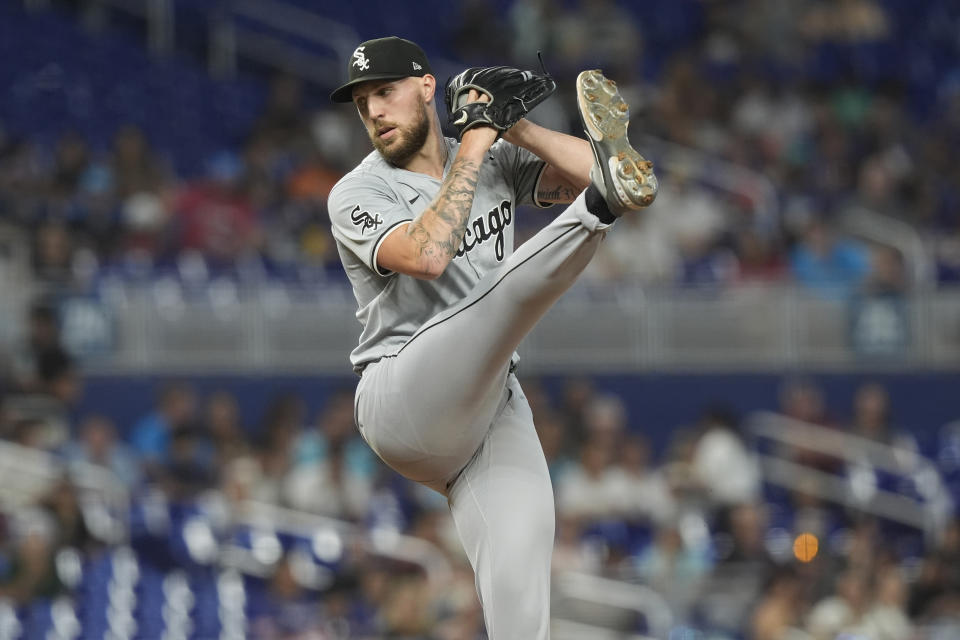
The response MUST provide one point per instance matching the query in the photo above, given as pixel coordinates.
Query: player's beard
(410, 140)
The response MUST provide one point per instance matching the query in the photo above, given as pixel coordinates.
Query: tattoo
(438, 232)
(560, 193)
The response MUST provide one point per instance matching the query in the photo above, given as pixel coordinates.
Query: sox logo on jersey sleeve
(364, 220)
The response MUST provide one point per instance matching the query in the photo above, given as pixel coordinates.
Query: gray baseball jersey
(376, 198)
(445, 410)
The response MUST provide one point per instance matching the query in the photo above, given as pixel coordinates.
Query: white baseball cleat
(623, 176)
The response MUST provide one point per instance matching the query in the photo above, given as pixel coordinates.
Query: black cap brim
(345, 92)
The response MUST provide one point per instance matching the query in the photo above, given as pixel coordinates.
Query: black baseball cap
(389, 58)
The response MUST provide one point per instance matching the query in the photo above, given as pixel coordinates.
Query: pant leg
(426, 410)
(502, 504)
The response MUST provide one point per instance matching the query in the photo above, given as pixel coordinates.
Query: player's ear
(428, 87)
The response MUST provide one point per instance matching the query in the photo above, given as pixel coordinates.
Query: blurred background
(750, 403)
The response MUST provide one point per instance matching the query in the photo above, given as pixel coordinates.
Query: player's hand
(476, 96)
(512, 94)
(481, 135)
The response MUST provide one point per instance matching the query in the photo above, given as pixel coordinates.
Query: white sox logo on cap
(389, 58)
(360, 59)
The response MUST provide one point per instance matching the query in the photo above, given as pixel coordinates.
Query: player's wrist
(515, 134)
(477, 140)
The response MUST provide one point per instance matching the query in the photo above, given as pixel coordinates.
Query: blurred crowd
(694, 521)
(799, 115)
(810, 98)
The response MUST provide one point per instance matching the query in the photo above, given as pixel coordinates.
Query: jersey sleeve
(523, 169)
(363, 212)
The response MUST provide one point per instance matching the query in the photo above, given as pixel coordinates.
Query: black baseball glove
(513, 94)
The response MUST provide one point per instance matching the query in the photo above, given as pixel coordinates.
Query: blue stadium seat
(61, 78)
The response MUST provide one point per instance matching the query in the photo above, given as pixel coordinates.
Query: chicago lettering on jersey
(364, 220)
(486, 227)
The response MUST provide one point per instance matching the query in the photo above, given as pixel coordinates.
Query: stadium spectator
(95, 223)
(935, 594)
(189, 466)
(553, 440)
(329, 486)
(42, 341)
(646, 496)
(886, 618)
(61, 380)
(605, 421)
(674, 567)
(772, 114)
(286, 609)
(778, 613)
(406, 611)
(460, 612)
(726, 469)
(575, 396)
(570, 553)
(744, 574)
(842, 611)
(590, 490)
(62, 504)
(30, 571)
(53, 253)
(152, 435)
(134, 165)
(97, 444)
(641, 251)
(214, 216)
(45, 381)
(144, 237)
(880, 318)
(759, 259)
(827, 265)
(887, 275)
(222, 422)
(28, 432)
(261, 476)
(683, 111)
(871, 413)
(334, 428)
(802, 399)
(71, 159)
(747, 524)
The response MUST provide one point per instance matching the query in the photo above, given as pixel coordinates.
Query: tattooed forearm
(438, 232)
(559, 193)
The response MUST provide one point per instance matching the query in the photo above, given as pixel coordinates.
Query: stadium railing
(161, 326)
(915, 496)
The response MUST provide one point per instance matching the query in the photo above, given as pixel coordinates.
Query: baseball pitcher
(424, 226)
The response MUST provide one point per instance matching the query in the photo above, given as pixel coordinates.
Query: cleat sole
(627, 177)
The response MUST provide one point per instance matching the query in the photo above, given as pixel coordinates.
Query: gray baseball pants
(446, 412)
